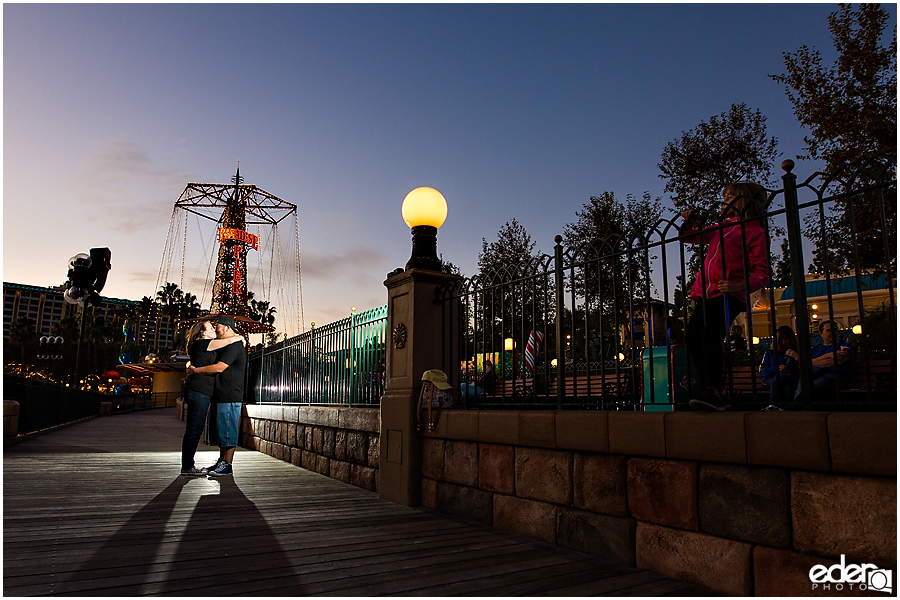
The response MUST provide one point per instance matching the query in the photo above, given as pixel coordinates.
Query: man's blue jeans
(197, 405)
(823, 387)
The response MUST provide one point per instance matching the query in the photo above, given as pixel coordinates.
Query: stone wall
(744, 503)
(342, 443)
(10, 422)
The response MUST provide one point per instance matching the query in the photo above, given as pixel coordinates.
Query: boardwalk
(98, 509)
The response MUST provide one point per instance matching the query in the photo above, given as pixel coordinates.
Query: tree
(851, 107)
(509, 302)
(850, 110)
(732, 146)
(262, 311)
(612, 276)
(22, 334)
(176, 303)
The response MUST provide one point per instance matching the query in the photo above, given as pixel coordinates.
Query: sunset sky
(511, 111)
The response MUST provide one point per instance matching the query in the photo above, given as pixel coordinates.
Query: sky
(511, 111)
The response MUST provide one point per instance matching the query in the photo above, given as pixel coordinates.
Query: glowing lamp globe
(424, 206)
(424, 210)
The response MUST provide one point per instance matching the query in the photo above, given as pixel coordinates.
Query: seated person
(780, 369)
(737, 341)
(484, 385)
(827, 378)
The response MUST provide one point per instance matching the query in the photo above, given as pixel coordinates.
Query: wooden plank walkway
(98, 509)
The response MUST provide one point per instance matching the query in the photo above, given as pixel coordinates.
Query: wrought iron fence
(340, 363)
(600, 327)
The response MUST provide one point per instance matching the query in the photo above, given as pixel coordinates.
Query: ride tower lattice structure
(236, 208)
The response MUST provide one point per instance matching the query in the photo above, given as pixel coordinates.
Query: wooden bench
(590, 386)
(579, 386)
(882, 381)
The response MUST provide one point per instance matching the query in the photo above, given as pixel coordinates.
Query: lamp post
(424, 211)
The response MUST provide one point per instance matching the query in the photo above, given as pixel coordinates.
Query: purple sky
(511, 111)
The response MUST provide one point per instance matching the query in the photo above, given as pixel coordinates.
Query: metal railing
(45, 405)
(339, 363)
(610, 313)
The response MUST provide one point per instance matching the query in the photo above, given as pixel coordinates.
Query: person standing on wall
(201, 347)
(722, 287)
(228, 394)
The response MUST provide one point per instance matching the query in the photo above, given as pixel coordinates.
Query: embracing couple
(215, 374)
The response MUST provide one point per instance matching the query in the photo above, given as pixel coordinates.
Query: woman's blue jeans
(782, 395)
(197, 405)
(468, 390)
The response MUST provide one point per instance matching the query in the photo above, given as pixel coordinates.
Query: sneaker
(710, 400)
(772, 408)
(193, 471)
(213, 467)
(223, 468)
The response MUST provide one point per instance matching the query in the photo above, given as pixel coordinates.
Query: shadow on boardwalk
(98, 509)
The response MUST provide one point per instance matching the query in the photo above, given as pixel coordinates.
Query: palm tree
(21, 332)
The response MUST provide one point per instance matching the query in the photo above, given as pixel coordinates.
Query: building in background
(45, 306)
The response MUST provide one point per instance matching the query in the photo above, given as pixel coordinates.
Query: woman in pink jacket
(724, 283)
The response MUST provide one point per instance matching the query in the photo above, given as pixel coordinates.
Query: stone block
(318, 439)
(324, 416)
(461, 424)
(357, 447)
(752, 504)
(461, 462)
(497, 468)
(308, 460)
(291, 435)
(340, 470)
(278, 451)
(301, 435)
(296, 454)
(843, 514)
(544, 475)
(637, 433)
(537, 428)
(322, 465)
(526, 517)
(796, 440)
(429, 493)
(663, 492)
(586, 431)
(280, 432)
(863, 443)
(340, 444)
(498, 426)
(706, 436)
(722, 565)
(308, 443)
(290, 414)
(328, 442)
(600, 483)
(467, 502)
(433, 458)
(264, 446)
(364, 477)
(610, 538)
(374, 450)
(360, 419)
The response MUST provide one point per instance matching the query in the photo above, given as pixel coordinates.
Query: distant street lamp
(424, 210)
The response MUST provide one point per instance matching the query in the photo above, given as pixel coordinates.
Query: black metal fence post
(798, 281)
(560, 356)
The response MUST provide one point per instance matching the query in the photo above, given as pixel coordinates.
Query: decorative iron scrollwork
(399, 336)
